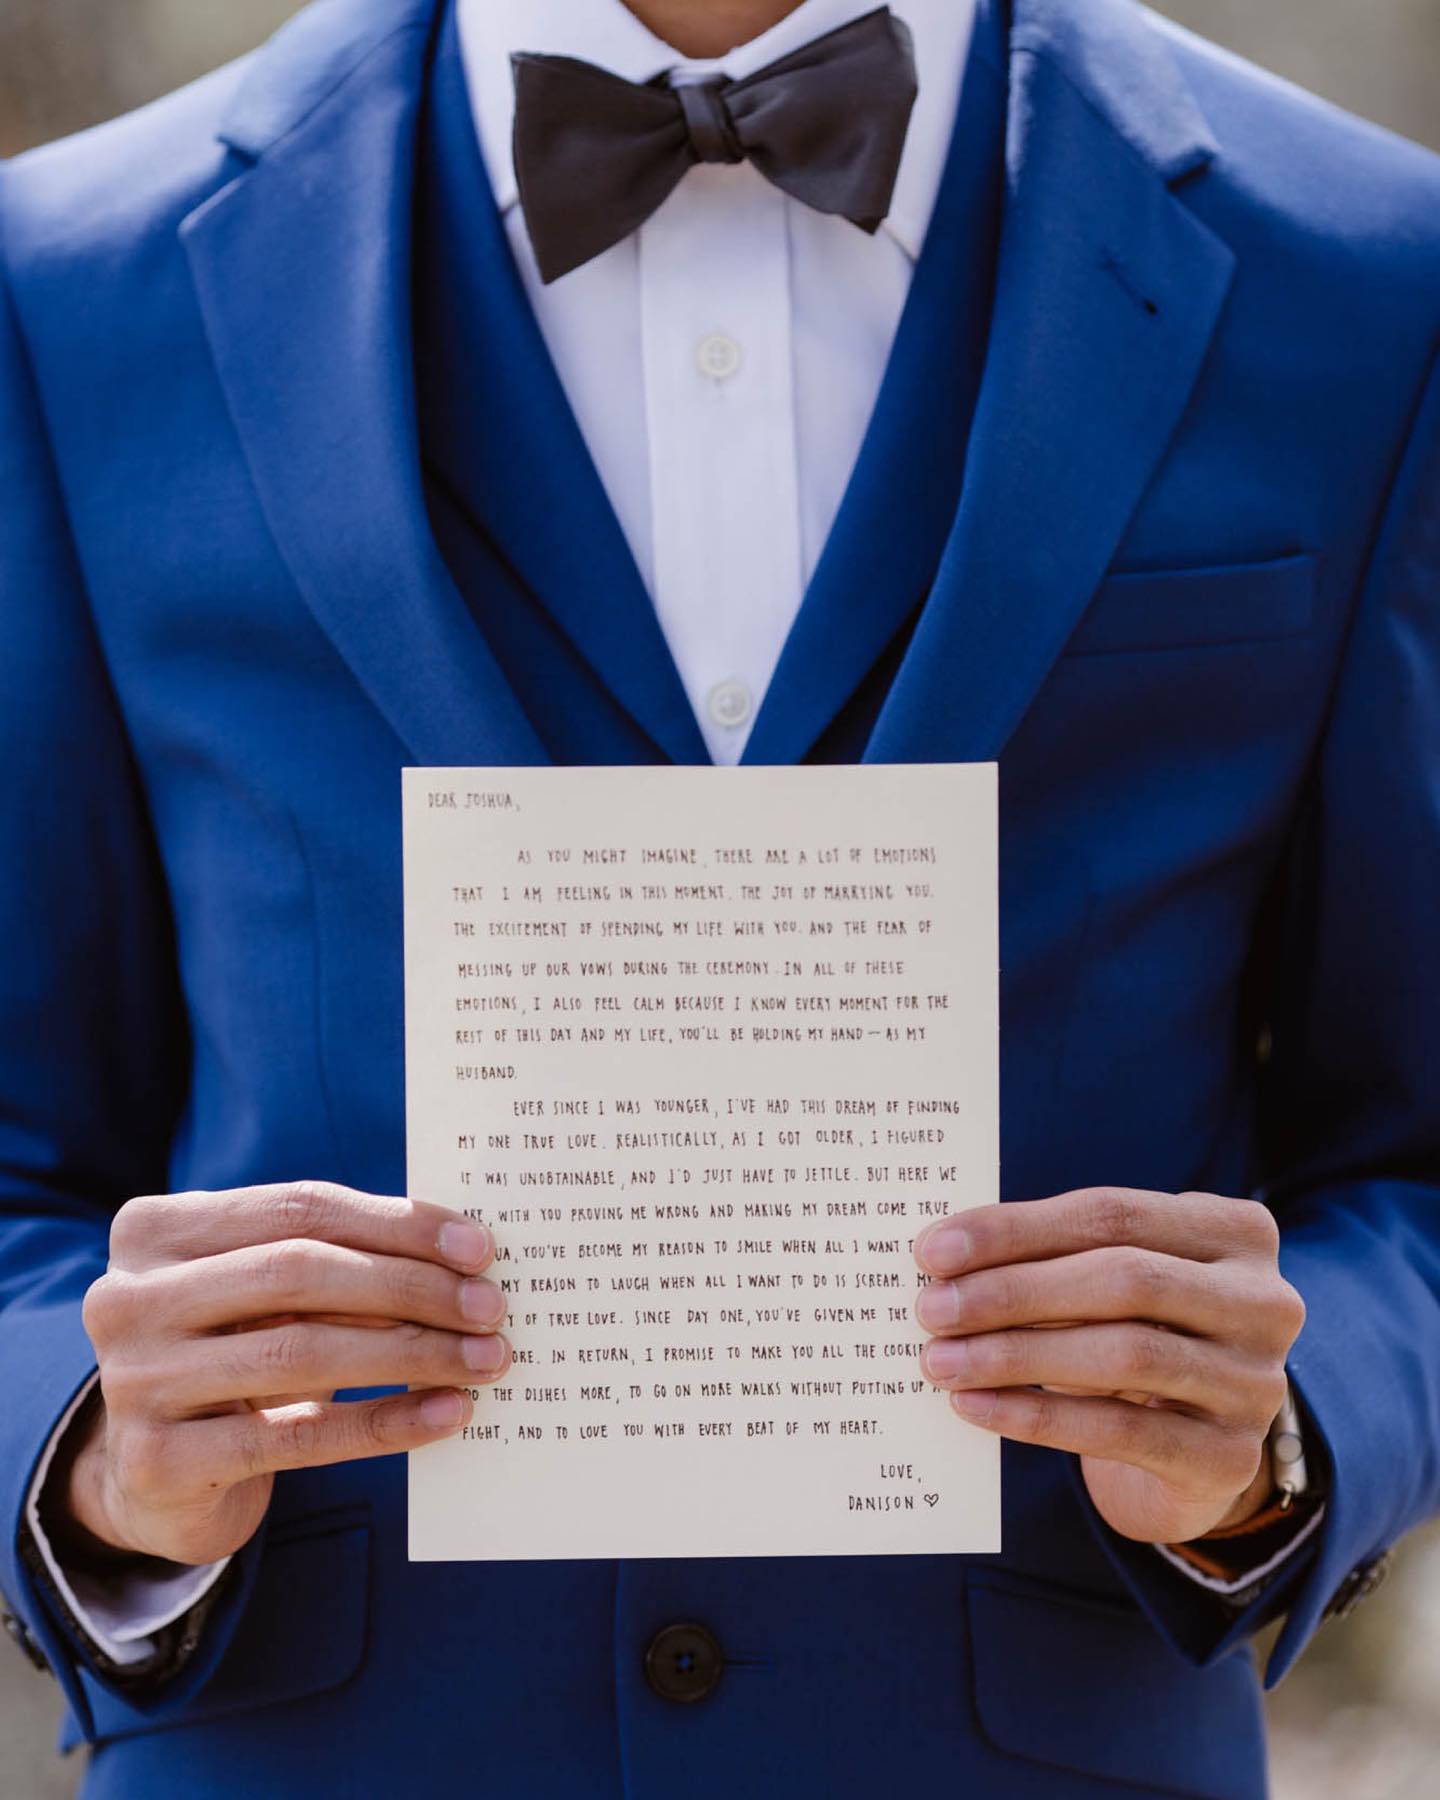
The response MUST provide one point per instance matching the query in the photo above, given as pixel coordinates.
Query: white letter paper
(707, 1049)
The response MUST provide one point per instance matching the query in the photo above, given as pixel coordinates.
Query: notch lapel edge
(301, 273)
(1109, 294)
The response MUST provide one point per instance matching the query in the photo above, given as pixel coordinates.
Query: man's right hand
(225, 1325)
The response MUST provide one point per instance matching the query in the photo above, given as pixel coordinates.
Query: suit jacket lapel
(1107, 296)
(886, 542)
(504, 439)
(302, 269)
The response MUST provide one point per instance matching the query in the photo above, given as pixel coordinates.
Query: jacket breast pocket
(1189, 609)
(1088, 1686)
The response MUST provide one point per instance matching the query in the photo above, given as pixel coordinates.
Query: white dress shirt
(122, 1610)
(722, 363)
(724, 360)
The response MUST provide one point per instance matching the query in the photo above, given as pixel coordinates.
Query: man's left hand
(1147, 1333)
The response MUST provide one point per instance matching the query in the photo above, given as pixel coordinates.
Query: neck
(706, 28)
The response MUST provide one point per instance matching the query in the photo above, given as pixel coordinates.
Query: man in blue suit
(1025, 381)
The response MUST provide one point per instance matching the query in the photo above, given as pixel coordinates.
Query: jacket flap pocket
(1179, 609)
(1089, 1686)
(302, 1631)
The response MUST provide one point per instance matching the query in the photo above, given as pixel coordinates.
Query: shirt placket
(716, 331)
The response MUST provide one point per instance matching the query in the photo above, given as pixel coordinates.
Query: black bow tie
(595, 155)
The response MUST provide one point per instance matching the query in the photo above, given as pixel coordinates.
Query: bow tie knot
(596, 155)
(712, 133)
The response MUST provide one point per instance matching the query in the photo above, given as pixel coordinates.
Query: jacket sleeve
(1350, 1107)
(93, 1043)
(1354, 1102)
(123, 1612)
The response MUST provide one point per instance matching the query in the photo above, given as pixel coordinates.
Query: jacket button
(684, 1663)
(1359, 1585)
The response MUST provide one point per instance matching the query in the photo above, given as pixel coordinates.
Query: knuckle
(1148, 1433)
(1235, 1458)
(1270, 1313)
(996, 1360)
(281, 1354)
(419, 1348)
(254, 1448)
(1109, 1215)
(1042, 1418)
(1126, 1429)
(376, 1428)
(1292, 1313)
(1252, 1224)
(1140, 1279)
(1187, 1362)
(1144, 1354)
(144, 1459)
(233, 1363)
(105, 1308)
(411, 1351)
(1005, 1293)
(133, 1225)
(298, 1435)
(1272, 1391)
(126, 1387)
(982, 1298)
(304, 1209)
(280, 1272)
(1168, 1441)
(1115, 1430)
(411, 1287)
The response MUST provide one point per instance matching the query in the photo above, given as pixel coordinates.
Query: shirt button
(717, 356)
(684, 1663)
(729, 704)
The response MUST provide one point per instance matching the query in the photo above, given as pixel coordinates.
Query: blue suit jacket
(1189, 597)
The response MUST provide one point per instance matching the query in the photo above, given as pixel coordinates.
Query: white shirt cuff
(120, 1612)
(1237, 1584)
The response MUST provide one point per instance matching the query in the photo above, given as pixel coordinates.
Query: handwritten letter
(707, 1049)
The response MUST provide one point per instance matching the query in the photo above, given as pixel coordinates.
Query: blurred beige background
(1360, 1720)
(65, 63)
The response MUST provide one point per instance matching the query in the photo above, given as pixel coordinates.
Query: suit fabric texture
(1148, 512)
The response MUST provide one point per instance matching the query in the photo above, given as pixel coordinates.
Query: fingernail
(464, 1244)
(944, 1249)
(938, 1306)
(442, 1412)
(484, 1354)
(945, 1358)
(482, 1303)
(976, 1404)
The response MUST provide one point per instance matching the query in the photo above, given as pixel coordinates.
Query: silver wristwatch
(1286, 1447)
